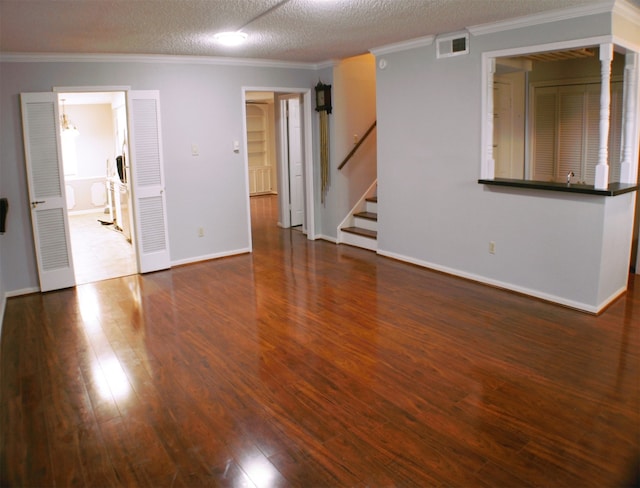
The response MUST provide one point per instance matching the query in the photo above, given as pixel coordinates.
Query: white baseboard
(327, 238)
(613, 297)
(504, 285)
(208, 257)
(24, 291)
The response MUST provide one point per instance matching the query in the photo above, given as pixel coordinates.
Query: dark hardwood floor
(314, 365)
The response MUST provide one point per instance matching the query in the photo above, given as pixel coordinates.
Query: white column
(602, 168)
(629, 111)
(490, 166)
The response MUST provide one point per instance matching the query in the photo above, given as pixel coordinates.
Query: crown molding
(606, 6)
(327, 64)
(402, 46)
(627, 10)
(152, 59)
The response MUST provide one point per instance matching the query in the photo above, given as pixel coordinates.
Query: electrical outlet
(200, 231)
(492, 247)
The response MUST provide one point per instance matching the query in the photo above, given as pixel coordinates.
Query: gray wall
(433, 212)
(200, 104)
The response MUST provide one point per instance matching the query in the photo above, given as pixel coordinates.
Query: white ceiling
(310, 31)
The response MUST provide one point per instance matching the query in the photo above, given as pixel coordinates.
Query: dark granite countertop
(612, 190)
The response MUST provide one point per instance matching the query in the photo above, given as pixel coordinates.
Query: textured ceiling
(310, 31)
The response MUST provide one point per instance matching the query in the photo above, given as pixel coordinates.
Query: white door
(45, 178)
(296, 179)
(145, 148)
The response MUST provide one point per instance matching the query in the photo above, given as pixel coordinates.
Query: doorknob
(35, 204)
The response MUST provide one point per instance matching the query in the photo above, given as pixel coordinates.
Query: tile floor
(99, 251)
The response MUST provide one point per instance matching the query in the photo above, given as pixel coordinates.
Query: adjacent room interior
(97, 188)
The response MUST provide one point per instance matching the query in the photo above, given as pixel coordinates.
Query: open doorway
(97, 184)
(261, 158)
(275, 156)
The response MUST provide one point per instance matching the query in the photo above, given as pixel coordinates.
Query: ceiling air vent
(452, 45)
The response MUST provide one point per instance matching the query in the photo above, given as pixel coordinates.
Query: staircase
(362, 229)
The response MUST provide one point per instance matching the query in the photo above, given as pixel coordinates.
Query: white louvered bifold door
(45, 178)
(570, 135)
(145, 148)
(567, 132)
(545, 130)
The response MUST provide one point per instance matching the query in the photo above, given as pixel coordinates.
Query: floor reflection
(111, 379)
(109, 376)
(89, 306)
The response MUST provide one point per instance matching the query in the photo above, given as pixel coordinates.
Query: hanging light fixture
(65, 123)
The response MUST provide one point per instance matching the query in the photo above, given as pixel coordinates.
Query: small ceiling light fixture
(235, 38)
(230, 38)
